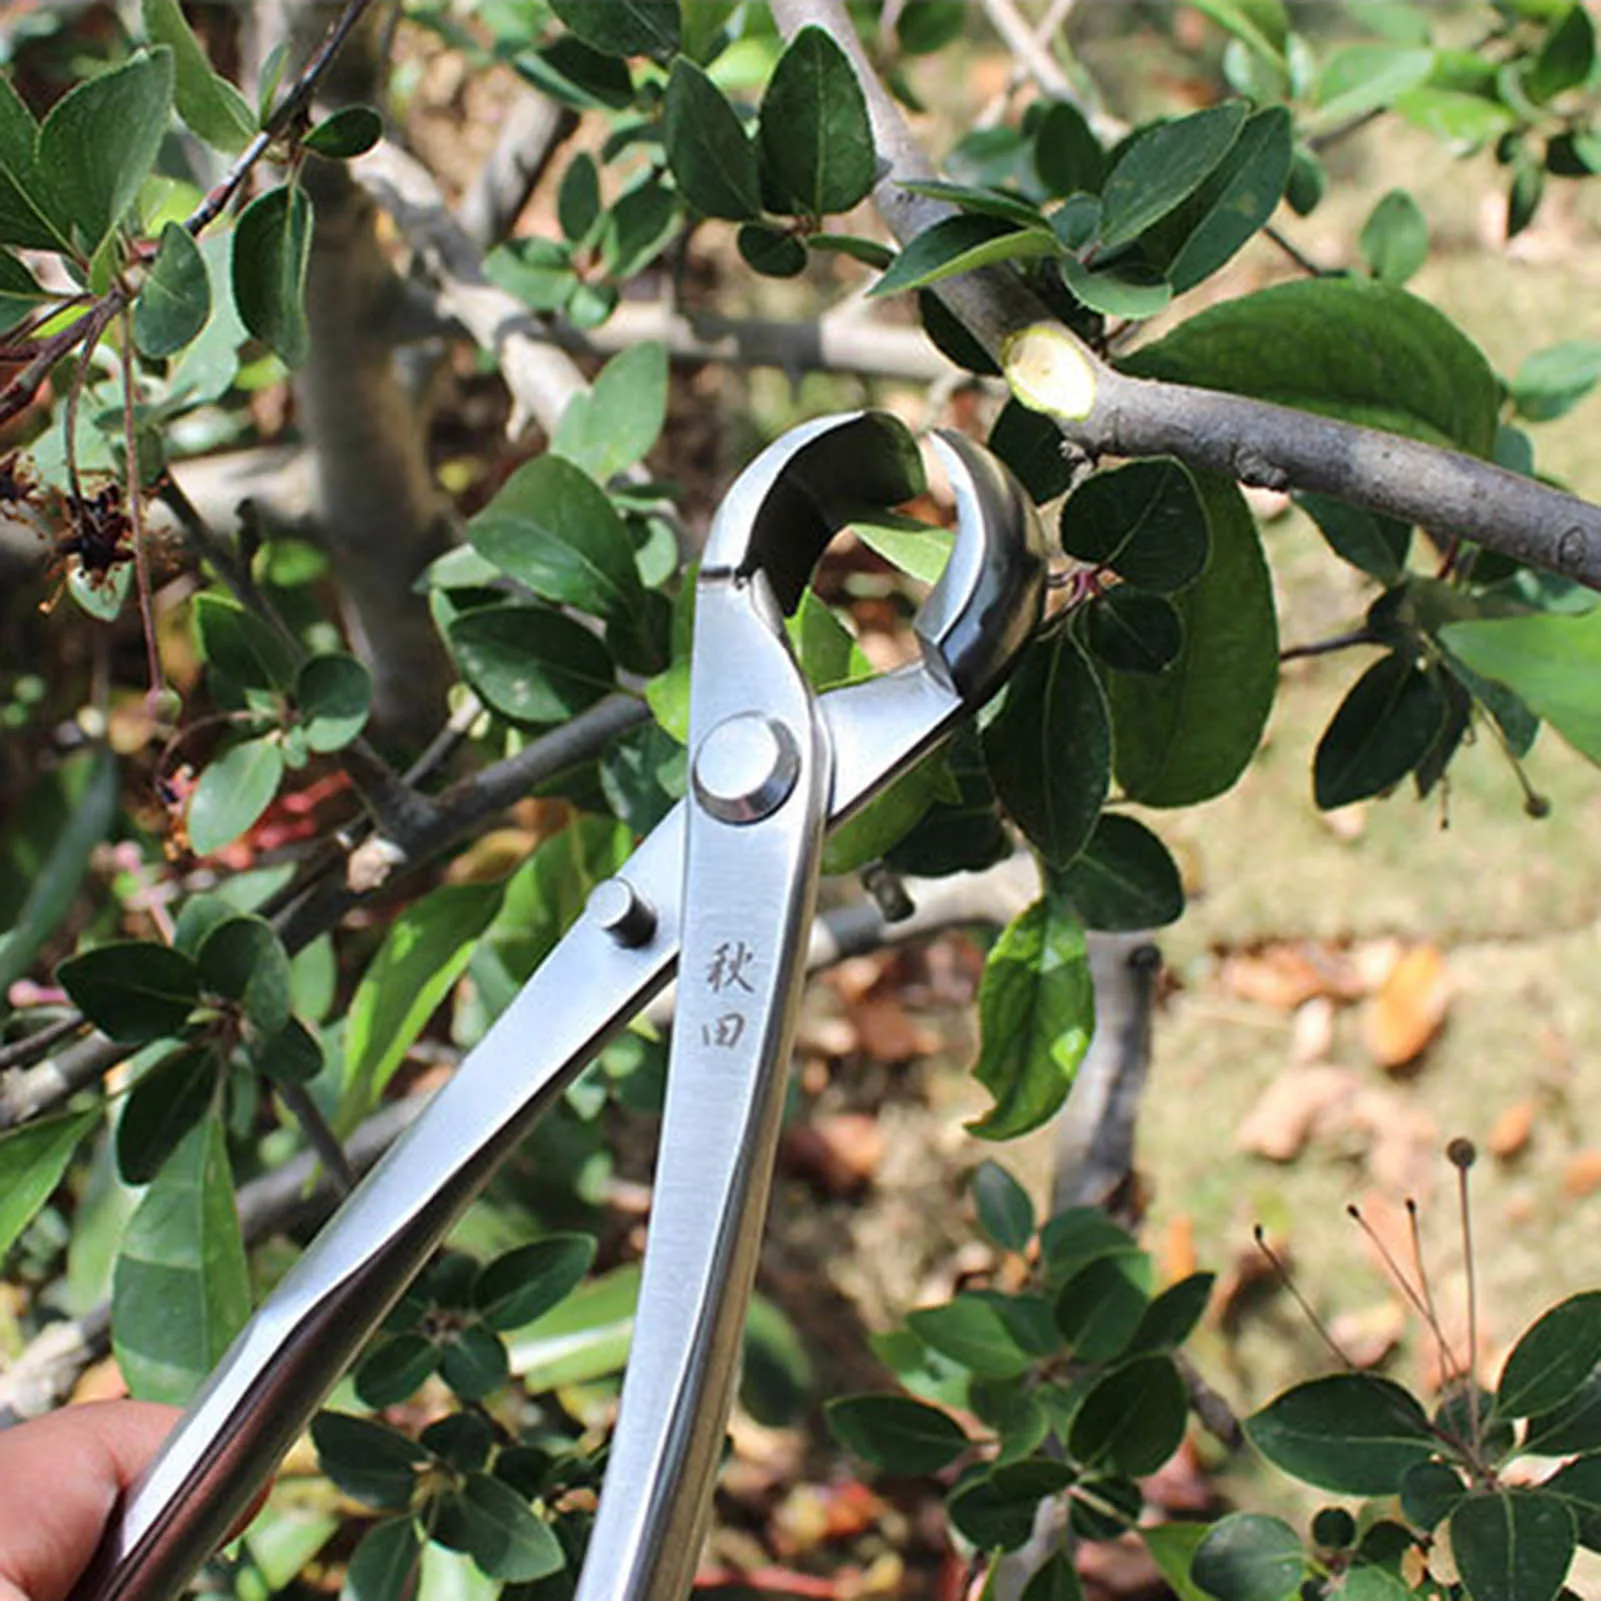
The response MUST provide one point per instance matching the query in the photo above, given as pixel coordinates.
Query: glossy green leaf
(926, 28)
(132, 990)
(962, 833)
(1360, 78)
(293, 1055)
(1343, 347)
(1005, 1212)
(20, 294)
(1351, 1433)
(45, 848)
(463, 1439)
(1067, 155)
(495, 1526)
(1172, 1547)
(211, 105)
(530, 663)
(350, 132)
(1377, 545)
(33, 1161)
(334, 694)
(711, 156)
(1566, 58)
(538, 272)
(1264, 25)
(164, 1106)
(242, 959)
(1395, 238)
(1571, 1425)
(1513, 1545)
(1124, 880)
(474, 1362)
(181, 1290)
(638, 226)
(896, 1433)
(369, 1461)
(272, 251)
(1031, 444)
(973, 1334)
(1248, 1556)
(175, 302)
(1578, 1483)
(998, 1509)
(1552, 1358)
(1036, 1007)
(1101, 1306)
(1551, 382)
(815, 138)
(395, 1369)
(612, 428)
(524, 1284)
(423, 954)
(917, 548)
(1186, 734)
(886, 819)
(1464, 121)
(986, 202)
(552, 528)
(773, 252)
(233, 792)
(870, 252)
(248, 652)
(99, 143)
(387, 1563)
(205, 368)
(586, 1337)
(1429, 1490)
(1162, 166)
(1131, 289)
(27, 217)
(1383, 728)
(623, 27)
(1171, 1317)
(1145, 521)
(573, 74)
(1049, 749)
(961, 244)
(1056, 1580)
(1132, 1418)
(578, 205)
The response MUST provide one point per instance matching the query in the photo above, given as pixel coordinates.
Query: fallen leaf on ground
(1280, 976)
(1510, 1133)
(1582, 1176)
(1290, 1109)
(1409, 1008)
(1176, 1255)
(888, 1033)
(839, 1154)
(1403, 1141)
(1313, 1031)
(1367, 1335)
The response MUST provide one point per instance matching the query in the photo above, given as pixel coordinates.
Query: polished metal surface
(739, 895)
(746, 767)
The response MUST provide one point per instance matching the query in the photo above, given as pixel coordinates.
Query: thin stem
(1424, 1308)
(1327, 647)
(30, 1048)
(1448, 1361)
(1473, 1304)
(1294, 252)
(1281, 1268)
(320, 1133)
(136, 516)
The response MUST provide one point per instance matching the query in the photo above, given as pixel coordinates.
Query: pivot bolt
(746, 768)
(623, 912)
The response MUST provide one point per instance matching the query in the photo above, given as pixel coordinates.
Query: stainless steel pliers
(723, 890)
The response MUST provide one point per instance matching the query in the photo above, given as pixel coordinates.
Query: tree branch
(533, 130)
(1251, 440)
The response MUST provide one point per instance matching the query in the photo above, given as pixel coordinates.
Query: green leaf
(1552, 1358)
(538, 272)
(26, 215)
(1172, 1547)
(50, 834)
(815, 138)
(973, 1334)
(1464, 121)
(212, 106)
(1550, 661)
(423, 954)
(350, 132)
(181, 1290)
(916, 547)
(1131, 289)
(987, 202)
(395, 1369)
(1124, 880)
(530, 663)
(1383, 728)
(474, 1362)
(164, 1106)
(1551, 382)
(1571, 1425)
(1057, 1580)
(886, 819)
(1513, 1545)
(612, 428)
(1248, 1556)
(1144, 521)
(1163, 165)
(1132, 1418)
(334, 693)
(370, 1462)
(205, 369)
(870, 252)
(33, 1161)
(1374, 544)
(711, 156)
(1395, 239)
(1566, 58)
(1067, 155)
(773, 252)
(1099, 1308)
(175, 302)
(623, 27)
(1366, 77)
(1351, 1433)
(1342, 347)
(1187, 734)
(238, 644)
(1077, 1236)
(1428, 1492)
(132, 990)
(926, 28)
(20, 294)
(896, 1433)
(272, 250)
(233, 792)
(526, 1283)
(99, 143)
(1171, 1318)
(1036, 1005)
(1049, 748)
(1579, 1485)
(578, 199)
(243, 959)
(999, 1508)
(386, 1565)
(495, 1526)
(1005, 1212)
(961, 244)
(637, 227)
(291, 1056)
(1031, 444)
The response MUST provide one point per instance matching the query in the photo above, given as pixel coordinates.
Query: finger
(60, 1476)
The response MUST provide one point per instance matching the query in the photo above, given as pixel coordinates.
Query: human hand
(60, 1477)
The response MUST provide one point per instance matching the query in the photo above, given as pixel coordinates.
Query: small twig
(1327, 647)
(1020, 38)
(1307, 265)
(31, 1047)
(319, 1132)
(133, 493)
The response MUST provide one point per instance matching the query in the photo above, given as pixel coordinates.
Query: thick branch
(533, 130)
(1247, 439)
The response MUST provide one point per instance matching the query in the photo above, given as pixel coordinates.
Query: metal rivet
(746, 768)
(622, 911)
